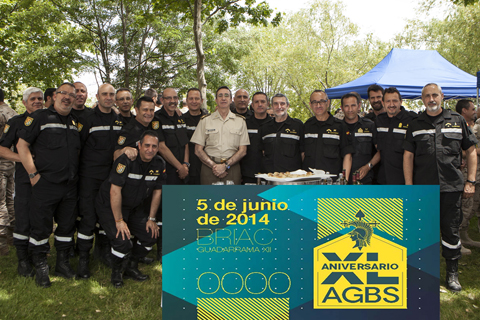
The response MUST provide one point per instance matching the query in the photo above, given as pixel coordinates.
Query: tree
(223, 14)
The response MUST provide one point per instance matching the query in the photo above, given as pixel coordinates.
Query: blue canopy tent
(409, 71)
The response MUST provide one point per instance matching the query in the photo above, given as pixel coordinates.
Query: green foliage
(315, 48)
(37, 47)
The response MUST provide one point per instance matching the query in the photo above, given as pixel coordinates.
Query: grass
(95, 298)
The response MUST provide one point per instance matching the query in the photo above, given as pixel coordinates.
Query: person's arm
(27, 159)
(129, 151)
(151, 225)
(408, 167)
(471, 156)
(8, 154)
(366, 168)
(303, 156)
(116, 204)
(202, 155)
(170, 158)
(186, 158)
(220, 169)
(347, 164)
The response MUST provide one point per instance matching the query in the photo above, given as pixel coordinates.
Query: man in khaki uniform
(7, 169)
(221, 140)
(470, 206)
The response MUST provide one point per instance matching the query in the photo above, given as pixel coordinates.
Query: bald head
(106, 97)
(241, 100)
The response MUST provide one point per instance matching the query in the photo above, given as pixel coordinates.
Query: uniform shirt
(138, 179)
(130, 134)
(246, 115)
(221, 138)
(371, 116)
(326, 143)
(175, 133)
(251, 164)
(282, 145)
(55, 144)
(191, 122)
(6, 113)
(98, 133)
(437, 149)
(81, 113)
(390, 136)
(126, 120)
(10, 138)
(363, 137)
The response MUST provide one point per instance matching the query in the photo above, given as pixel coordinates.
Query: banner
(300, 252)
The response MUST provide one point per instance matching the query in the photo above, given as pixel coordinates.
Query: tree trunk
(197, 33)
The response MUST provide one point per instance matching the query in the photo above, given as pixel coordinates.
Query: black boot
(146, 260)
(24, 264)
(41, 267)
(83, 272)
(132, 272)
(117, 272)
(62, 267)
(452, 275)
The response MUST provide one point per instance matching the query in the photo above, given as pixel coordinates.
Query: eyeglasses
(124, 99)
(170, 98)
(222, 95)
(65, 93)
(314, 102)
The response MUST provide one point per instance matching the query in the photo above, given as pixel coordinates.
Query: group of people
(99, 172)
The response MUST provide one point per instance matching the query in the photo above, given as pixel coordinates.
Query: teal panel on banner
(300, 252)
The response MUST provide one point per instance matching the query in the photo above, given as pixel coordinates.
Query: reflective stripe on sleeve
(271, 135)
(54, 125)
(99, 128)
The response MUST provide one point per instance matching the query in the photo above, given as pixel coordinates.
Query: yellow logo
(28, 121)
(121, 168)
(360, 130)
(155, 125)
(7, 127)
(79, 127)
(360, 270)
(121, 140)
(400, 125)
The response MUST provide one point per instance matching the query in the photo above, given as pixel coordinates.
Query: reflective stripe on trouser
(7, 212)
(136, 220)
(52, 201)
(450, 219)
(87, 192)
(23, 193)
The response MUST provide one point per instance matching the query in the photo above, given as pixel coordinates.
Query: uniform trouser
(23, 193)
(7, 212)
(470, 207)
(234, 174)
(87, 192)
(52, 200)
(450, 219)
(136, 220)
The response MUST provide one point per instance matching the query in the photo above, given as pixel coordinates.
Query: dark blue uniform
(191, 123)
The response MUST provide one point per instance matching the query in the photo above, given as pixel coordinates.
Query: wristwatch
(227, 167)
(32, 175)
(188, 164)
(152, 219)
(472, 182)
(370, 165)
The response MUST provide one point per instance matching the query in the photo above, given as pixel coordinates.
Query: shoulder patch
(121, 140)
(120, 168)
(79, 127)
(7, 127)
(28, 121)
(240, 116)
(155, 125)
(204, 116)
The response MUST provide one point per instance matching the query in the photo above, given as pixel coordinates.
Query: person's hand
(468, 190)
(152, 226)
(35, 179)
(363, 171)
(122, 229)
(131, 153)
(223, 175)
(183, 171)
(219, 169)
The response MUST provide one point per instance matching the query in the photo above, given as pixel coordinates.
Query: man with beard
(79, 108)
(375, 96)
(433, 155)
(251, 164)
(363, 135)
(221, 140)
(98, 132)
(124, 103)
(282, 140)
(7, 170)
(175, 148)
(55, 143)
(241, 102)
(32, 100)
(327, 146)
(391, 128)
(191, 118)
